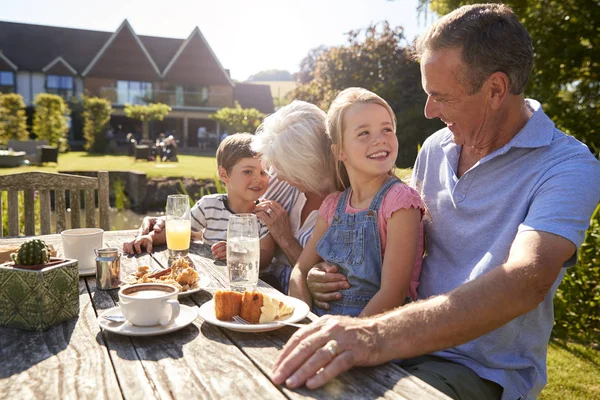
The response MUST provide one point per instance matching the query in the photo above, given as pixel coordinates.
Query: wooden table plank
(76, 360)
(197, 361)
(67, 361)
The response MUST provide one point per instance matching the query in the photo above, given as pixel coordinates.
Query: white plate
(186, 316)
(207, 311)
(203, 281)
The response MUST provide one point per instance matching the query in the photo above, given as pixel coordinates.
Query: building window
(134, 92)
(7, 82)
(60, 85)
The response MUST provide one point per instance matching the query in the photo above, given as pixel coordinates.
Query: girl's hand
(137, 245)
(324, 283)
(219, 250)
(275, 217)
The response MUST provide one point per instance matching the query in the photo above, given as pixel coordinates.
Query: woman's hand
(276, 218)
(324, 283)
(324, 349)
(219, 250)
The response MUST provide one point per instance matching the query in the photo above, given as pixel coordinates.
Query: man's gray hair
(491, 39)
(294, 142)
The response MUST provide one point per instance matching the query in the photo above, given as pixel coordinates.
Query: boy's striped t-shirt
(210, 216)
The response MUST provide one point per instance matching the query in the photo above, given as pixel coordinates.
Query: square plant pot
(35, 300)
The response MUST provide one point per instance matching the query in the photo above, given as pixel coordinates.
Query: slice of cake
(254, 307)
(227, 304)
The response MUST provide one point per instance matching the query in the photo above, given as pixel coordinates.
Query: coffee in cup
(149, 304)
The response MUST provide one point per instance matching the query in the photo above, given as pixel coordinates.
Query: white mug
(149, 304)
(80, 244)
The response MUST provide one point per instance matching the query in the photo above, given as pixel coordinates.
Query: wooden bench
(44, 182)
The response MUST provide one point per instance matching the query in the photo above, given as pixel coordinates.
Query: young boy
(245, 181)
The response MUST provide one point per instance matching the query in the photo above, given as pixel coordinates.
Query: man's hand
(219, 250)
(330, 345)
(137, 245)
(324, 284)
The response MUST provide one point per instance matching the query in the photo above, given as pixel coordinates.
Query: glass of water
(178, 225)
(243, 252)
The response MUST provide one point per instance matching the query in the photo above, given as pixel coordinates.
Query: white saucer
(87, 272)
(301, 309)
(186, 316)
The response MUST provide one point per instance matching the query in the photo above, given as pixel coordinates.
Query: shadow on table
(33, 347)
(149, 348)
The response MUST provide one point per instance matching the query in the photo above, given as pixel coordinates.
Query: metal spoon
(114, 318)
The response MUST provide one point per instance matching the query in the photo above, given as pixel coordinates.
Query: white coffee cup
(149, 304)
(80, 244)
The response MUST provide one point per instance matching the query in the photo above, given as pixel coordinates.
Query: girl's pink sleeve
(401, 196)
(328, 206)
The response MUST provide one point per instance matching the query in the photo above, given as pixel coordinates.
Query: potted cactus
(38, 291)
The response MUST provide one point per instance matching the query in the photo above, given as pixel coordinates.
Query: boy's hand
(137, 245)
(219, 250)
(150, 224)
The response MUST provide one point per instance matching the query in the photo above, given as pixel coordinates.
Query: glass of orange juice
(178, 225)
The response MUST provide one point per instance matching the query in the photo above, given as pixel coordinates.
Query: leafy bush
(96, 115)
(50, 119)
(13, 120)
(577, 302)
(239, 119)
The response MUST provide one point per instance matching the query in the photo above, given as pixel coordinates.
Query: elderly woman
(293, 143)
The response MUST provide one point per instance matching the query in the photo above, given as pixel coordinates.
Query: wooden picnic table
(76, 359)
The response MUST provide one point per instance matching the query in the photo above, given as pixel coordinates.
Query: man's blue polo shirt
(542, 180)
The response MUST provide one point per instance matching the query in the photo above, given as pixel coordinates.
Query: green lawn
(573, 372)
(189, 166)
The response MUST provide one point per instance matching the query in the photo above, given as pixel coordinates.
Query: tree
(146, 113)
(96, 115)
(377, 58)
(566, 69)
(271, 75)
(50, 118)
(239, 119)
(308, 64)
(13, 119)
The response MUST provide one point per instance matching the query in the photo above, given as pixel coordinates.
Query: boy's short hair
(233, 148)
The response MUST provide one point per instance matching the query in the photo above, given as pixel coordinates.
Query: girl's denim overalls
(352, 243)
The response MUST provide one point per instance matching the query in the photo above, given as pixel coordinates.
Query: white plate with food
(292, 310)
(181, 274)
(186, 316)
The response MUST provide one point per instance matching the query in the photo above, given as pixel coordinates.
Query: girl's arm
(308, 258)
(398, 261)
(267, 249)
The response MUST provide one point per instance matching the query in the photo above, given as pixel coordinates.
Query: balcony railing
(172, 98)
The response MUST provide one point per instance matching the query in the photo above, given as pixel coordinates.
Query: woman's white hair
(293, 141)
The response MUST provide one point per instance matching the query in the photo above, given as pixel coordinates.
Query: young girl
(374, 209)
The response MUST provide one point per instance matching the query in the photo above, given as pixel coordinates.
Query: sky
(247, 36)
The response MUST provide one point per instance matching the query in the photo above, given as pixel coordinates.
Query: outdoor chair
(43, 183)
(48, 154)
(141, 152)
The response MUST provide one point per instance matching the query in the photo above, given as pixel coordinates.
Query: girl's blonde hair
(335, 125)
(294, 142)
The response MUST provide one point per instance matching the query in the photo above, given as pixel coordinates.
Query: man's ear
(499, 88)
(223, 175)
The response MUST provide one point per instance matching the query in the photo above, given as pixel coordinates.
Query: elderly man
(509, 197)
